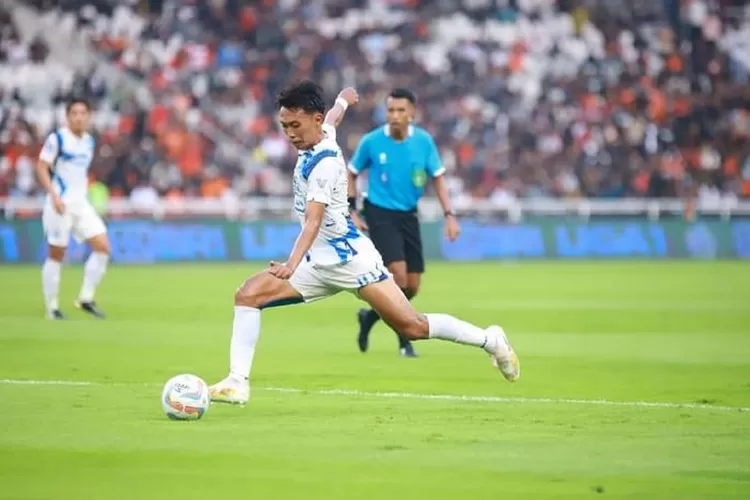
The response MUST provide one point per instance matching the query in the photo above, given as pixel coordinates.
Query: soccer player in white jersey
(68, 152)
(331, 255)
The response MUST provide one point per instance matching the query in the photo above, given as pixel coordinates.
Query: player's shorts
(315, 282)
(79, 220)
(396, 235)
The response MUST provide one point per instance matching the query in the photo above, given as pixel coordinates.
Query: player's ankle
(238, 378)
(490, 345)
(495, 345)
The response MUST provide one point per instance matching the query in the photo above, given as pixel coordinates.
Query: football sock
(402, 341)
(446, 327)
(371, 318)
(51, 283)
(245, 333)
(93, 272)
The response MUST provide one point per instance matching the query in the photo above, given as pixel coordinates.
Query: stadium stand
(526, 98)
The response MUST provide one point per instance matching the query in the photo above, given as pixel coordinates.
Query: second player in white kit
(70, 156)
(331, 255)
(68, 153)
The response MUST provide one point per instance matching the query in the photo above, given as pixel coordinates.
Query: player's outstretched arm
(42, 173)
(313, 220)
(43, 166)
(347, 97)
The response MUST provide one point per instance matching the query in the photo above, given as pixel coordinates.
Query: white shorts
(315, 282)
(80, 219)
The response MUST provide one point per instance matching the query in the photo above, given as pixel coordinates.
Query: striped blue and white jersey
(70, 157)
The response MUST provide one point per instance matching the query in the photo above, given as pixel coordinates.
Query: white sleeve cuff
(330, 131)
(47, 158)
(352, 169)
(319, 198)
(438, 172)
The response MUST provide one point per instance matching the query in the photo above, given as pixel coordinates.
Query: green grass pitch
(605, 348)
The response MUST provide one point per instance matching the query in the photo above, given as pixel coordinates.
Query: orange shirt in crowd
(157, 119)
(191, 159)
(214, 188)
(173, 194)
(657, 106)
(174, 142)
(641, 180)
(465, 154)
(674, 63)
(248, 19)
(731, 165)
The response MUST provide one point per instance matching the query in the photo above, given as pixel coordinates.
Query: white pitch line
(418, 396)
(609, 305)
(9, 381)
(502, 399)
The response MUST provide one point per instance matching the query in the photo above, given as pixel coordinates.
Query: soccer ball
(185, 397)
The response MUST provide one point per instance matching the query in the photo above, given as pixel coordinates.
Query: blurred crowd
(525, 98)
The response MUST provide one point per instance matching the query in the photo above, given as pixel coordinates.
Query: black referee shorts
(396, 235)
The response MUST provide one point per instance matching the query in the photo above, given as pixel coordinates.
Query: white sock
(245, 333)
(51, 283)
(446, 327)
(93, 272)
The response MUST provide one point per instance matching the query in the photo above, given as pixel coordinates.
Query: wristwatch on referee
(449, 213)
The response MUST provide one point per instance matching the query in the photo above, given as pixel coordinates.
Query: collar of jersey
(78, 137)
(315, 149)
(387, 130)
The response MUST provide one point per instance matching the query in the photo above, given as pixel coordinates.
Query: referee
(398, 158)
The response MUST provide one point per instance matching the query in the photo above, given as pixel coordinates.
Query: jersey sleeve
(49, 151)
(330, 131)
(361, 158)
(435, 166)
(322, 180)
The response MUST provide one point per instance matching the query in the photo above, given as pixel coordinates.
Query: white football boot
(230, 390)
(504, 358)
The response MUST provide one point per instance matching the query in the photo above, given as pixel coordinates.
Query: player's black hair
(305, 95)
(402, 93)
(74, 101)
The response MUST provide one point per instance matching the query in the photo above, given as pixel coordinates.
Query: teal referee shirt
(397, 171)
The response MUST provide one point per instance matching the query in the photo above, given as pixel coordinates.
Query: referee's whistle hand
(452, 228)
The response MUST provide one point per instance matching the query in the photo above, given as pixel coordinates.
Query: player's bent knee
(105, 248)
(254, 292)
(56, 253)
(247, 296)
(416, 329)
(100, 244)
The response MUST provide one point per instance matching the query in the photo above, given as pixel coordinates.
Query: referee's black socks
(370, 319)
